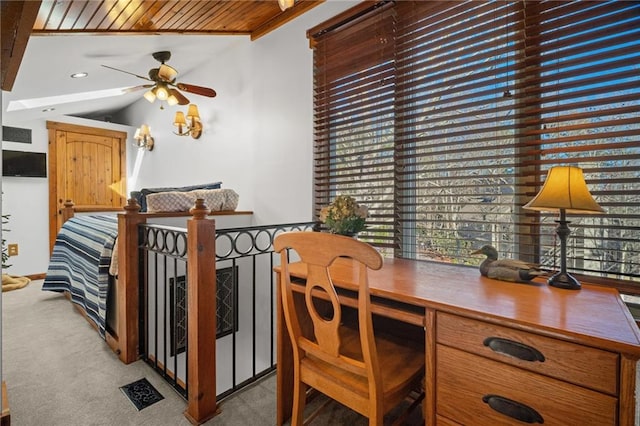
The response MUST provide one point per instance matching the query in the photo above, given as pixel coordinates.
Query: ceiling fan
(164, 86)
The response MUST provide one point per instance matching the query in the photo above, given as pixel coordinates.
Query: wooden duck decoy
(506, 269)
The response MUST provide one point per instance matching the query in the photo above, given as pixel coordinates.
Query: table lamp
(564, 191)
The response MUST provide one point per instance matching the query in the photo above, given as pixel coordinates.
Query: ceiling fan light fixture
(167, 73)
(172, 100)
(285, 4)
(162, 93)
(150, 95)
(164, 86)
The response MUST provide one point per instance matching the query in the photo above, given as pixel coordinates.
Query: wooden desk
(589, 342)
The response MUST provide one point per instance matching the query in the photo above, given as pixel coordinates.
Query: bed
(84, 263)
(80, 265)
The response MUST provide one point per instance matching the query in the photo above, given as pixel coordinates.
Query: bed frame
(124, 340)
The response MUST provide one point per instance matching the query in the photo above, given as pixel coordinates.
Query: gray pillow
(141, 196)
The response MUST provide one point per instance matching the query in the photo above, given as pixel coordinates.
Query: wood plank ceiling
(254, 18)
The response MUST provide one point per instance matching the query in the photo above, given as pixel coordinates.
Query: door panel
(87, 166)
(91, 179)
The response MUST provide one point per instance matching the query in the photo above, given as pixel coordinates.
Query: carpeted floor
(60, 373)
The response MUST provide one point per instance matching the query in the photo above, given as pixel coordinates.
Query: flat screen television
(24, 164)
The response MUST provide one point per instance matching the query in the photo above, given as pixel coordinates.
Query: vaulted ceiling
(172, 18)
(20, 19)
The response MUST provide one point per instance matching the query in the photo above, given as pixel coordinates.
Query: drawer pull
(513, 409)
(514, 349)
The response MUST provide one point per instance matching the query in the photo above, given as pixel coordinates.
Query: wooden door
(87, 165)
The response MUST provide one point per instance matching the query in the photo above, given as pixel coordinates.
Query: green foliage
(344, 216)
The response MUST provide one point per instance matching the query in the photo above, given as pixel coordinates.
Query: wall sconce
(191, 126)
(564, 191)
(143, 138)
(285, 4)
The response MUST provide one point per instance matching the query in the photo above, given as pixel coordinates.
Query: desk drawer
(585, 366)
(466, 384)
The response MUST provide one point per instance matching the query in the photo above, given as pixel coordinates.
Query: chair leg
(299, 400)
(376, 416)
(375, 421)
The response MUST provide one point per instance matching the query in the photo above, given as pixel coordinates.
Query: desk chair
(371, 374)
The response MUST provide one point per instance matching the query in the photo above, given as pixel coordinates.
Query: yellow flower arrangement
(344, 216)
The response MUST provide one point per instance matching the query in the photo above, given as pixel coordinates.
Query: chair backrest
(318, 251)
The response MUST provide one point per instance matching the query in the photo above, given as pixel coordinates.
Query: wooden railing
(201, 293)
(201, 404)
(129, 340)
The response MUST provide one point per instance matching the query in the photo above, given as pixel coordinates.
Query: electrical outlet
(12, 249)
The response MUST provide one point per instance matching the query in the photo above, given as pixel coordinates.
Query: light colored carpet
(59, 372)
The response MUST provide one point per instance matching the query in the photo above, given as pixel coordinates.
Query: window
(444, 118)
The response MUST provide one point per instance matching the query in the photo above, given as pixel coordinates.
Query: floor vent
(141, 393)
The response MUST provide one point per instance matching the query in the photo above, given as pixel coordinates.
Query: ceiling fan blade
(182, 100)
(127, 72)
(136, 88)
(198, 90)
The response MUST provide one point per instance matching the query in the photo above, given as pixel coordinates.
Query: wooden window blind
(444, 118)
(354, 116)
(581, 106)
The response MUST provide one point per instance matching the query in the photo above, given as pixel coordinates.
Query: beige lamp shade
(143, 138)
(564, 189)
(179, 119)
(167, 73)
(192, 112)
(172, 100)
(144, 130)
(150, 95)
(285, 4)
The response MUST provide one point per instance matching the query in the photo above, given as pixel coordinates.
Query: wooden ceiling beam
(298, 9)
(17, 18)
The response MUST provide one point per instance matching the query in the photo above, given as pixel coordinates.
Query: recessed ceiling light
(48, 109)
(79, 75)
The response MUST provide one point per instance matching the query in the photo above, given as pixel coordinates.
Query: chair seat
(401, 365)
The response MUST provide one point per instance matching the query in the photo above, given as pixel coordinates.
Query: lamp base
(564, 280)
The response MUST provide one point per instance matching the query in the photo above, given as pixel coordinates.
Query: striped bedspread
(80, 263)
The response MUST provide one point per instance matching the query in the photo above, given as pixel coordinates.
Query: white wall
(258, 130)
(258, 137)
(27, 199)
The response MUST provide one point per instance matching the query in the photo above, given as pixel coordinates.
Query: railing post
(67, 211)
(201, 319)
(128, 283)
